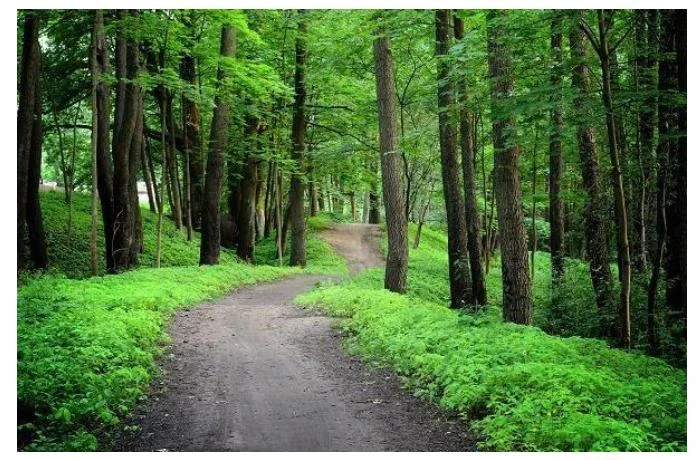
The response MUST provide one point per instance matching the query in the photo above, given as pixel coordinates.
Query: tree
(517, 300)
(390, 158)
(595, 214)
(556, 163)
(460, 288)
(469, 173)
(29, 140)
(123, 198)
(211, 218)
(603, 49)
(246, 188)
(97, 41)
(297, 254)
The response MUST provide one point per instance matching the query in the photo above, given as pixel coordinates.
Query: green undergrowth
(87, 348)
(69, 252)
(520, 388)
(321, 258)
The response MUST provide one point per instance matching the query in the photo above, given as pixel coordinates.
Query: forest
(492, 204)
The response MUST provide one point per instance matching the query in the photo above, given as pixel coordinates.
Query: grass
(520, 388)
(69, 254)
(87, 347)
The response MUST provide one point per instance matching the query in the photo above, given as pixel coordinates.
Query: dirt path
(253, 372)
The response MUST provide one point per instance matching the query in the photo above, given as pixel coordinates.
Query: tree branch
(333, 130)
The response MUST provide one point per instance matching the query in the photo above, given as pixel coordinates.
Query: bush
(521, 388)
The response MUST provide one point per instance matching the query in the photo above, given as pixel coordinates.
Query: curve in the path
(253, 372)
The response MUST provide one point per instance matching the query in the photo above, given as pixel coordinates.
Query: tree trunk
(556, 162)
(28, 99)
(134, 164)
(675, 78)
(269, 199)
(597, 232)
(396, 224)
(421, 219)
(618, 185)
(191, 133)
(173, 172)
(97, 36)
(188, 172)
(313, 198)
(517, 298)
(365, 207)
(35, 225)
(104, 160)
(211, 217)
(297, 255)
(147, 176)
(245, 216)
(469, 173)
(458, 253)
(123, 202)
(260, 214)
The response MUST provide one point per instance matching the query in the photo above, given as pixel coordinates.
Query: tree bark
(396, 222)
(517, 297)
(597, 231)
(134, 164)
(556, 163)
(469, 173)
(618, 185)
(211, 218)
(123, 202)
(297, 255)
(97, 35)
(28, 99)
(191, 134)
(458, 253)
(245, 216)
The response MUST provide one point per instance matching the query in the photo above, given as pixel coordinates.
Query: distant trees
(517, 297)
(396, 224)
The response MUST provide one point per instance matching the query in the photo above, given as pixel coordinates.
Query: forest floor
(254, 372)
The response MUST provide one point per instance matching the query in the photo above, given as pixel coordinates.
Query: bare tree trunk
(517, 297)
(104, 161)
(556, 163)
(191, 133)
(134, 154)
(211, 217)
(147, 175)
(421, 219)
(28, 99)
(123, 203)
(365, 207)
(188, 169)
(458, 253)
(597, 231)
(245, 247)
(296, 191)
(469, 173)
(396, 220)
(602, 47)
(97, 40)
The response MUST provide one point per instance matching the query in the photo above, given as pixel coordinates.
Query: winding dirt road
(253, 372)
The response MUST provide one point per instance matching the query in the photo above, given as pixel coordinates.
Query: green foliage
(69, 253)
(87, 347)
(521, 388)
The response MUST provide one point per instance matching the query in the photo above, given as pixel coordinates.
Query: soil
(254, 372)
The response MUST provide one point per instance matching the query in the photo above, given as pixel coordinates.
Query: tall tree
(297, 254)
(469, 173)
(29, 140)
(556, 163)
(517, 298)
(245, 216)
(211, 218)
(123, 199)
(191, 132)
(105, 175)
(603, 48)
(396, 223)
(596, 228)
(97, 34)
(676, 203)
(458, 254)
